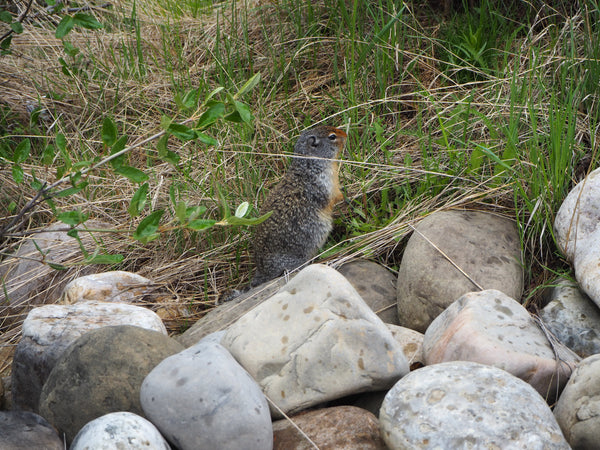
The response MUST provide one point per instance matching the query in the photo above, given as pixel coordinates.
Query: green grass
(493, 108)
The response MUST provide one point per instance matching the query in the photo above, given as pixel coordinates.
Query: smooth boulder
(100, 373)
(491, 328)
(451, 253)
(315, 340)
(201, 398)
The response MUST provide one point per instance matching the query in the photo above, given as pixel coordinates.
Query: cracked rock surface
(315, 340)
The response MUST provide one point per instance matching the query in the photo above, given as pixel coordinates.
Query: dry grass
(301, 85)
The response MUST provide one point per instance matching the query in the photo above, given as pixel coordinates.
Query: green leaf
(82, 164)
(206, 139)
(116, 148)
(5, 17)
(244, 111)
(17, 173)
(213, 93)
(180, 211)
(73, 217)
(17, 27)
(138, 201)
(5, 44)
(233, 220)
(61, 142)
(135, 175)
(164, 153)
(56, 266)
(242, 209)
(234, 117)
(74, 233)
(147, 230)
(69, 191)
(70, 49)
(190, 99)
(181, 132)
(87, 21)
(193, 212)
(103, 258)
(211, 115)
(109, 131)
(66, 24)
(200, 224)
(22, 151)
(249, 85)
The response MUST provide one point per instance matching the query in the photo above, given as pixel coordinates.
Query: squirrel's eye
(332, 136)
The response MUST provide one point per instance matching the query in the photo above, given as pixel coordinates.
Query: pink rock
(491, 328)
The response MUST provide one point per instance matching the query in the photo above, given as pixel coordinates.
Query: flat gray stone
(376, 285)
(315, 340)
(572, 317)
(201, 398)
(100, 373)
(578, 409)
(48, 330)
(484, 246)
(460, 405)
(491, 328)
(119, 430)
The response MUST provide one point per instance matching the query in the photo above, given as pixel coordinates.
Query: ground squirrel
(301, 203)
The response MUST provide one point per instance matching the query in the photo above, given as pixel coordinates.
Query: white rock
(411, 342)
(48, 330)
(315, 340)
(578, 409)
(201, 398)
(464, 405)
(119, 430)
(579, 216)
(116, 286)
(491, 328)
(587, 265)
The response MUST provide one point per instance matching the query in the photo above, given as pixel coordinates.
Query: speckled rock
(115, 286)
(411, 342)
(376, 285)
(573, 318)
(315, 340)
(587, 266)
(463, 404)
(341, 427)
(21, 430)
(49, 330)
(484, 246)
(490, 328)
(100, 373)
(578, 409)
(201, 398)
(119, 430)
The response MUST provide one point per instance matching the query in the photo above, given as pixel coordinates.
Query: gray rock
(341, 427)
(20, 430)
(119, 430)
(572, 317)
(577, 232)
(578, 409)
(100, 373)
(115, 286)
(227, 313)
(411, 342)
(49, 330)
(461, 405)
(315, 340)
(490, 328)
(201, 398)
(484, 246)
(578, 216)
(376, 285)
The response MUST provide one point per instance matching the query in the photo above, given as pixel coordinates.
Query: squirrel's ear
(313, 141)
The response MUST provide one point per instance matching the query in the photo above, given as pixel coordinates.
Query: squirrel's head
(321, 141)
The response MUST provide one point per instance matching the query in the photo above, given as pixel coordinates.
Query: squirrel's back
(301, 205)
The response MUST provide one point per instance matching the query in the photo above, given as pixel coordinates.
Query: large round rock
(578, 409)
(467, 405)
(451, 253)
(100, 373)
